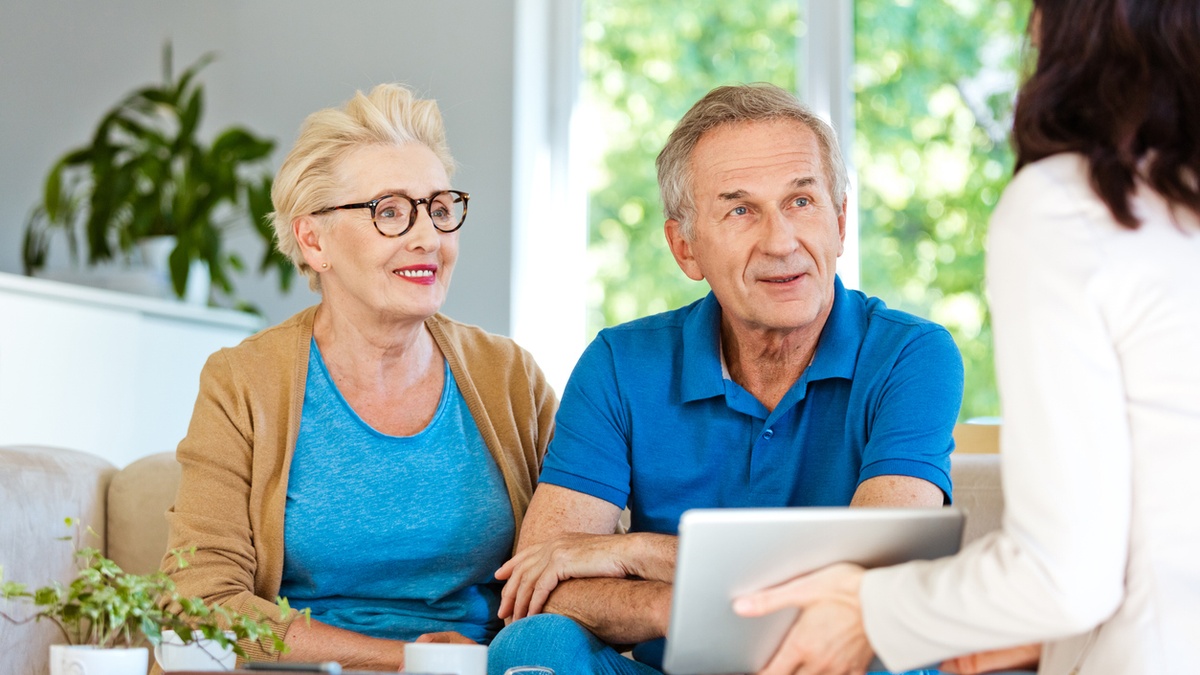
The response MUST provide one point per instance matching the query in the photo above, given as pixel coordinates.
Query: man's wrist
(649, 556)
(662, 608)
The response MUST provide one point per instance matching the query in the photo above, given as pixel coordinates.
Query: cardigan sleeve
(212, 509)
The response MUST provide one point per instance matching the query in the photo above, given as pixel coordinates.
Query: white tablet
(726, 553)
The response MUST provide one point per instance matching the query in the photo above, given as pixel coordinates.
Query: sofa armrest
(39, 487)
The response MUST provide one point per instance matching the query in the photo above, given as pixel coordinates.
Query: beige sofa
(40, 486)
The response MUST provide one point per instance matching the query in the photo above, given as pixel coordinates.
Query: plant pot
(156, 254)
(203, 654)
(146, 273)
(88, 660)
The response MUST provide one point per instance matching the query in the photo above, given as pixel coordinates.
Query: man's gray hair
(731, 104)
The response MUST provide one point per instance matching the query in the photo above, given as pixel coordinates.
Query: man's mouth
(781, 280)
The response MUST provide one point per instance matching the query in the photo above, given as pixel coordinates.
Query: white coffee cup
(444, 658)
(206, 655)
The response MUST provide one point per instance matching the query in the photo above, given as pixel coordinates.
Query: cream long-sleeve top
(1097, 337)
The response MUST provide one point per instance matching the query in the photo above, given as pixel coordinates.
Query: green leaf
(189, 74)
(238, 145)
(52, 192)
(179, 262)
(190, 117)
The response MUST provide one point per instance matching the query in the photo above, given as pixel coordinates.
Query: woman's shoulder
(486, 358)
(280, 341)
(1054, 190)
(1066, 171)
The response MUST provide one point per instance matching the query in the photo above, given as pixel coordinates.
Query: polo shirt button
(768, 434)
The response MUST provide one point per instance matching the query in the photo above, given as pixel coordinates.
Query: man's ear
(681, 248)
(842, 226)
(308, 236)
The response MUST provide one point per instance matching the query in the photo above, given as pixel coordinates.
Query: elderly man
(780, 388)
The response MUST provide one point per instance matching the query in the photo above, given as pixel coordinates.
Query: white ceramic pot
(204, 655)
(148, 273)
(87, 660)
(156, 253)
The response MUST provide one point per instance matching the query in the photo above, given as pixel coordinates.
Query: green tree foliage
(933, 82)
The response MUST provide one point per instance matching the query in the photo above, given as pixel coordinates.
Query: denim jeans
(556, 642)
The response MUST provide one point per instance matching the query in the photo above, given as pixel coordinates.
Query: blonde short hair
(731, 104)
(390, 115)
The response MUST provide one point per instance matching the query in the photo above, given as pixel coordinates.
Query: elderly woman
(368, 458)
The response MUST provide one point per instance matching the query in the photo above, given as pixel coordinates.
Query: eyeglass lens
(394, 213)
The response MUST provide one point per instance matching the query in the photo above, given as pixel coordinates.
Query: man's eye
(739, 211)
(800, 201)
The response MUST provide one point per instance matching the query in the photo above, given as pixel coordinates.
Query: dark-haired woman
(1094, 279)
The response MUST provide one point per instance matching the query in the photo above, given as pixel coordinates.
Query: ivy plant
(107, 607)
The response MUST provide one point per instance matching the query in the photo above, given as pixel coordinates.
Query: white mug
(172, 654)
(444, 658)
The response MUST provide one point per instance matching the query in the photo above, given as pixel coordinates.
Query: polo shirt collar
(701, 377)
(836, 356)
(842, 337)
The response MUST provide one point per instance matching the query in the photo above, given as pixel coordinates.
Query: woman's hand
(1026, 656)
(828, 638)
(534, 572)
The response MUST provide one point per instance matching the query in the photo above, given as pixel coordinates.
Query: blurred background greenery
(933, 87)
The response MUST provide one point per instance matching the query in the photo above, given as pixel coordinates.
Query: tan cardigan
(238, 452)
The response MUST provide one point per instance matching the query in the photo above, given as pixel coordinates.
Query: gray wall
(64, 62)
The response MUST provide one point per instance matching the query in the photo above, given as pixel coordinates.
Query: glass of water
(529, 670)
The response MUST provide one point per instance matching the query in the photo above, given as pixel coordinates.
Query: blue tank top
(394, 536)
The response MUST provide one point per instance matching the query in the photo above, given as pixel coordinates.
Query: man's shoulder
(665, 326)
(879, 319)
(886, 336)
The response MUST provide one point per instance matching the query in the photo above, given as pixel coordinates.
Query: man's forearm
(618, 611)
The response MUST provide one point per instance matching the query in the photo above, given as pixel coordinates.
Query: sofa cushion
(138, 499)
(978, 492)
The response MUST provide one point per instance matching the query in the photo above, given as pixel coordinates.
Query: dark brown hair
(1117, 81)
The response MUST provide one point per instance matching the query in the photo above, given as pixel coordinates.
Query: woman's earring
(324, 266)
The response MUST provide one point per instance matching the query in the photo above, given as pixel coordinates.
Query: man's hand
(447, 636)
(534, 572)
(828, 638)
(1024, 657)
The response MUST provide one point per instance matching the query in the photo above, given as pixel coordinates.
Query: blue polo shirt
(649, 421)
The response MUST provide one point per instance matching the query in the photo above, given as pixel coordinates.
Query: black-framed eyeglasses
(394, 215)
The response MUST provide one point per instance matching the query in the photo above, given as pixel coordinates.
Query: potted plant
(145, 174)
(106, 608)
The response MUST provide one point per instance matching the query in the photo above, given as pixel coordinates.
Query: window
(933, 83)
(926, 86)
